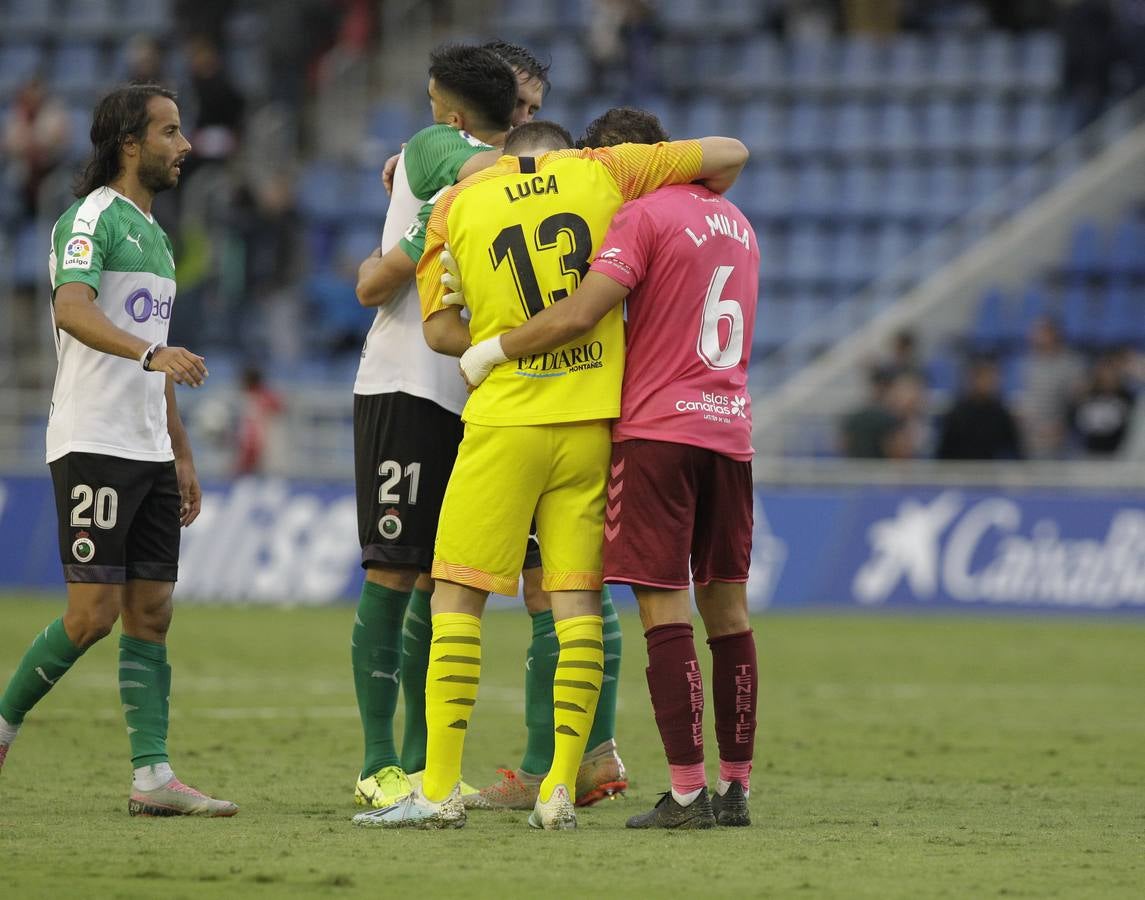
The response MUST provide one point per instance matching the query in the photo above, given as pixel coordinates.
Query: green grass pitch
(897, 756)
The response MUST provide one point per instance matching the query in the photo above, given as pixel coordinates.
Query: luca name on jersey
(538, 184)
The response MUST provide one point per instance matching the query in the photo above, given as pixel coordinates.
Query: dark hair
(533, 135)
(118, 116)
(522, 60)
(624, 125)
(480, 79)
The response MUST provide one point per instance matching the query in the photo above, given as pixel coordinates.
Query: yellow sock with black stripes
(450, 694)
(576, 689)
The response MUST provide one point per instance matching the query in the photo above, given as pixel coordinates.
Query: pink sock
(736, 771)
(687, 778)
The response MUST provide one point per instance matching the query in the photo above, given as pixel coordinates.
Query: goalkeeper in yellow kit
(537, 432)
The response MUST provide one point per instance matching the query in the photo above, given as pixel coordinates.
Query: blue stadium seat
(761, 66)
(909, 64)
(147, 16)
(29, 18)
(1127, 248)
(892, 243)
(1121, 320)
(772, 324)
(855, 130)
(904, 197)
(851, 261)
(528, 17)
(943, 127)
(860, 64)
(704, 117)
(733, 16)
(569, 66)
(1034, 129)
(898, 130)
(987, 129)
(320, 192)
(1033, 306)
(806, 128)
(945, 191)
(77, 68)
(759, 127)
(997, 62)
(357, 243)
(1079, 315)
(861, 192)
(772, 254)
(1085, 254)
(986, 178)
(90, 18)
(811, 65)
(682, 17)
(952, 64)
(1040, 64)
(808, 253)
(393, 123)
(942, 373)
(18, 63)
(988, 331)
(370, 200)
(816, 191)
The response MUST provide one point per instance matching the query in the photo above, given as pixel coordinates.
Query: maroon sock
(735, 685)
(677, 690)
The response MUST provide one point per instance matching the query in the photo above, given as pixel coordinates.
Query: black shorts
(404, 448)
(118, 518)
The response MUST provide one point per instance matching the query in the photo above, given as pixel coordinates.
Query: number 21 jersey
(691, 261)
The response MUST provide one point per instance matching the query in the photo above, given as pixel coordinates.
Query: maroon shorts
(668, 502)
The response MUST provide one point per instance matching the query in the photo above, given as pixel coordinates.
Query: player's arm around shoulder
(723, 160)
(444, 329)
(382, 275)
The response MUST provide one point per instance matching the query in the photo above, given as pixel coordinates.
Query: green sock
(540, 669)
(144, 691)
(604, 725)
(415, 660)
(51, 655)
(376, 657)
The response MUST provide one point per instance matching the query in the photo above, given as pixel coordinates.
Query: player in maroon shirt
(687, 261)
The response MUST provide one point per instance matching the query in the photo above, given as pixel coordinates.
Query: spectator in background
(1088, 38)
(867, 432)
(1101, 415)
(36, 133)
(621, 44)
(144, 61)
(1052, 376)
(979, 425)
(258, 408)
(217, 106)
(904, 358)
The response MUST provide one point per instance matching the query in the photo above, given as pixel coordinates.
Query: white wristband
(149, 354)
(478, 361)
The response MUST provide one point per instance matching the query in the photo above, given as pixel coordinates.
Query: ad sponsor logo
(715, 407)
(142, 306)
(991, 551)
(561, 362)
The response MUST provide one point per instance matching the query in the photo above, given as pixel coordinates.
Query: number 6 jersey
(691, 261)
(523, 233)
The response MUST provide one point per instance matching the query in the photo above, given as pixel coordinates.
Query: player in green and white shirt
(122, 469)
(407, 425)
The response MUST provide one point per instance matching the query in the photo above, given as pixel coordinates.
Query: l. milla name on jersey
(574, 359)
(538, 184)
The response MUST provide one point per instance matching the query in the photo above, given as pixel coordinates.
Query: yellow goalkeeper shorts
(503, 478)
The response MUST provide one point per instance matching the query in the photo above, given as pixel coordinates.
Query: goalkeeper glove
(451, 279)
(478, 361)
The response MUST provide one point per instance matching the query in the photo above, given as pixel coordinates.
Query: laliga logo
(141, 306)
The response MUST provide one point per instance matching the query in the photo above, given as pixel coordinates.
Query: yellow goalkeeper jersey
(524, 232)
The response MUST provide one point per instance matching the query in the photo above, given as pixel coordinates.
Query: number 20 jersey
(524, 232)
(691, 261)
